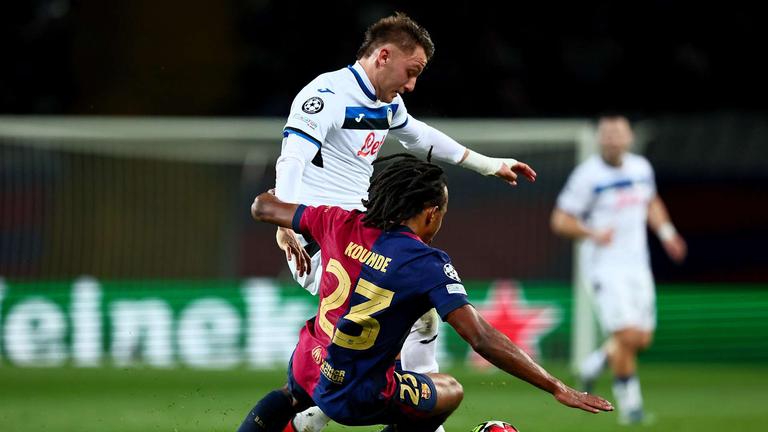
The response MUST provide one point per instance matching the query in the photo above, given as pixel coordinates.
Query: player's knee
(646, 340)
(450, 393)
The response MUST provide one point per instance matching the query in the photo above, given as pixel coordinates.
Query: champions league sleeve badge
(451, 272)
(313, 105)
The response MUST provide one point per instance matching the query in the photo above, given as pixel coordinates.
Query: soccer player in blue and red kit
(380, 275)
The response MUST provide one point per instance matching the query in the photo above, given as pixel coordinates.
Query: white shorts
(310, 281)
(419, 353)
(625, 298)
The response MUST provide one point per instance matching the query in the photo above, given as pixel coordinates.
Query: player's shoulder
(328, 85)
(637, 161)
(424, 253)
(331, 211)
(588, 167)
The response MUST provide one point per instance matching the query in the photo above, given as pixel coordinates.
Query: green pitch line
(683, 397)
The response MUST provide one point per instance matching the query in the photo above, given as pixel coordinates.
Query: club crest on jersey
(451, 272)
(313, 105)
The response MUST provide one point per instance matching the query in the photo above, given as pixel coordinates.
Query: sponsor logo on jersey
(325, 90)
(451, 272)
(359, 117)
(371, 145)
(317, 354)
(389, 115)
(335, 376)
(313, 105)
(306, 120)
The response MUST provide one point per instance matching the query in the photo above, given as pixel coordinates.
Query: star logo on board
(523, 323)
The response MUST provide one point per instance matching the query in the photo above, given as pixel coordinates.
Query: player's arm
(268, 208)
(499, 350)
(416, 135)
(661, 224)
(298, 150)
(567, 225)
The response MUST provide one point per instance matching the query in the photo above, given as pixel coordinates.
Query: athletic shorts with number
(625, 298)
(414, 398)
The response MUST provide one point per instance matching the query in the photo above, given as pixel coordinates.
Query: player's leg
(312, 419)
(634, 335)
(419, 352)
(608, 308)
(422, 402)
(272, 412)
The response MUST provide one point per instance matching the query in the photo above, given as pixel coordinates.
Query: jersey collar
(402, 229)
(362, 80)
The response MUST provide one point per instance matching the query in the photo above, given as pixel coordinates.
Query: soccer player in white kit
(335, 130)
(607, 202)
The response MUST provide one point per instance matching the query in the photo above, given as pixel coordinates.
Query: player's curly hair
(402, 190)
(399, 29)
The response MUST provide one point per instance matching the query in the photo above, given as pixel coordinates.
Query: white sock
(591, 366)
(627, 394)
(310, 420)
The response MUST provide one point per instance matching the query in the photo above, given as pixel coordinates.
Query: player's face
(615, 137)
(399, 71)
(437, 221)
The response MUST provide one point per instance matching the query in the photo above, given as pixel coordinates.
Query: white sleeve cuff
(486, 165)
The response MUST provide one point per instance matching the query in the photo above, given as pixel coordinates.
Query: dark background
(693, 73)
(493, 59)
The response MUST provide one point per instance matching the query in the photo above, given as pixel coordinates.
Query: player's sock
(590, 368)
(311, 420)
(626, 390)
(269, 415)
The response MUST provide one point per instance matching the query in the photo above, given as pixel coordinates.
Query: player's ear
(432, 213)
(384, 54)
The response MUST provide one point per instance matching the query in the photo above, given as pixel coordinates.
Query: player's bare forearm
(267, 208)
(657, 213)
(568, 226)
(499, 350)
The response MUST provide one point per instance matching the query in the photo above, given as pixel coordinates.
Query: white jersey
(604, 196)
(340, 114)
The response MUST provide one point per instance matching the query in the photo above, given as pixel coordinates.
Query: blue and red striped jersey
(375, 285)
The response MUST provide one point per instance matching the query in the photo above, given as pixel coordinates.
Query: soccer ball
(494, 426)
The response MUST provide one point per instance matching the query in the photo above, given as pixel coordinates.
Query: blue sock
(271, 414)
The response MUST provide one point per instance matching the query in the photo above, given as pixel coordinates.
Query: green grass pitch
(683, 397)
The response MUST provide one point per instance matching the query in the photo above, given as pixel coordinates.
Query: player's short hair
(402, 190)
(400, 30)
(611, 115)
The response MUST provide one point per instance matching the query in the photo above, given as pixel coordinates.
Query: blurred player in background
(607, 202)
(335, 130)
(381, 276)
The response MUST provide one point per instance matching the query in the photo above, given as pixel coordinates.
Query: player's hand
(676, 248)
(582, 400)
(287, 241)
(518, 168)
(603, 237)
